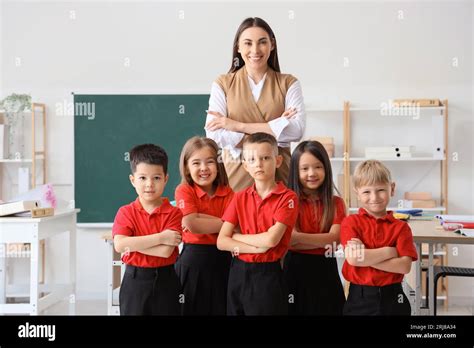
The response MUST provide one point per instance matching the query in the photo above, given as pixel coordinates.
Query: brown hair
(197, 143)
(371, 172)
(260, 138)
(237, 61)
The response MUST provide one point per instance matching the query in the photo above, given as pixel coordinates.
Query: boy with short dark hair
(147, 232)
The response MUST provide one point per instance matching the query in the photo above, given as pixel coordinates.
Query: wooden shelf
(397, 208)
(436, 253)
(25, 160)
(370, 109)
(16, 161)
(360, 159)
(422, 108)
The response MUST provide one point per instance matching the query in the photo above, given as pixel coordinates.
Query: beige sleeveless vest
(241, 106)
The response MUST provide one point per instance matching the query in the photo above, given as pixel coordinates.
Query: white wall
(84, 51)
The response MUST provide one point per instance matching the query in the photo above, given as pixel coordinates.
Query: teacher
(254, 96)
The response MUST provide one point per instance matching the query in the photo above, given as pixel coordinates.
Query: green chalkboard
(106, 127)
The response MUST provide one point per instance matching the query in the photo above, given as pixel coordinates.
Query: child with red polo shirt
(203, 196)
(310, 267)
(147, 232)
(265, 213)
(379, 249)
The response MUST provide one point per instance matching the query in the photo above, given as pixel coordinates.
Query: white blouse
(285, 130)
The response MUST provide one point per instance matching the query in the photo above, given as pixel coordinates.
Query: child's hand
(355, 244)
(170, 237)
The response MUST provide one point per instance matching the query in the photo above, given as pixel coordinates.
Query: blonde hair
(197, 143)
(371, 172)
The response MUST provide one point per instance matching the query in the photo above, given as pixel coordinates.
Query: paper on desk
(450, 218)
(465, 232)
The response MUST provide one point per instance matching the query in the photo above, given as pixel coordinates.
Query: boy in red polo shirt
(147, 232)
(265, 213)
(379, 248)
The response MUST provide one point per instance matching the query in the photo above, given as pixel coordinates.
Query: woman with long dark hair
(254, 96)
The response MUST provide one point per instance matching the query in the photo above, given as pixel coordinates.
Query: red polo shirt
(133, 221)
(256, 215)
(376, 233)
(192, 199)
(310, 215)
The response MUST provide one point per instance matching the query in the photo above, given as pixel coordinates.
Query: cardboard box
(412, 204)
(324, 140)
(417, 102)
(420, 196)
(327, 142)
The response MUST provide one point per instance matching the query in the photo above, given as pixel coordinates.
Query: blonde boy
(379, 248)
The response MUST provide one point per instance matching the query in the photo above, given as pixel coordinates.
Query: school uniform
(373, 291)
(238, 97)
(256, 282)
(312, 276)
(202, 268)
(150, 285)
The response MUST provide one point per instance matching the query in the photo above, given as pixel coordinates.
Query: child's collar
(388, 217)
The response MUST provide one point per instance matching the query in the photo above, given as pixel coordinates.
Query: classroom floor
(99, 307)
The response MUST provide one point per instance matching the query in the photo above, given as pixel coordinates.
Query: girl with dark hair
(254, 96)
(310, 266)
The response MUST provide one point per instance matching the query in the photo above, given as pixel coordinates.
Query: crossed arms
(384, 258)
(158, 244)
(259, 243)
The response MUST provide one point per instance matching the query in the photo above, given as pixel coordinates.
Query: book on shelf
(390, 152)
(390, 149)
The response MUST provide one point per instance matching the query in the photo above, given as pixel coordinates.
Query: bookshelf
(34, 138)
(35, 158)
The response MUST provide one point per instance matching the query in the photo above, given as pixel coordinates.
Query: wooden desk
(33, 231)
(429, 232)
